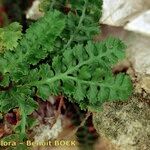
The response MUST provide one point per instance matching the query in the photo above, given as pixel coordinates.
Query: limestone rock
(119, 12)
(138, 51)
(126, 125)
(143, 83)
(141, 24)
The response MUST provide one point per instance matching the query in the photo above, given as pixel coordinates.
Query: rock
(141, 24)
(143, 83)
(138, 51)
(48, 132)
(119, 12)
(126, 125)
(34, 13)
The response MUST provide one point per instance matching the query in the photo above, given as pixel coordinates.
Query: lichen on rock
(126, 125)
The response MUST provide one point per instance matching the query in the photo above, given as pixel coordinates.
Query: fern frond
(19, 98)
(36, 44)
(39, 38)
(84, 74)
(82, 21)
(77, 67)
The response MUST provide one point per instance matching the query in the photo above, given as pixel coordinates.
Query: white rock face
(141, 24)
(119, 12)
(139, 53)
(34, 13)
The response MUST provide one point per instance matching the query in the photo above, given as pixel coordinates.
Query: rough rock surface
(126, 125)
(119, 12)
(141, 24)
(133, 15)
(138, 51)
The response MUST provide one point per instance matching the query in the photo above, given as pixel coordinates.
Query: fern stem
(23, 119)
(85, 82)
(69, 71)
(78, 27)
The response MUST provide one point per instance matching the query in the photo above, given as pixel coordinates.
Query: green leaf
(31, 105)
(79, 93)
(6, 99)
(92, 94)
(44, 91)
(91, 80)
(36, 44)
(9, 36)
(85, 73)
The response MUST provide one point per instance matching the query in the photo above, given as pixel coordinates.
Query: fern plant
(56, 56)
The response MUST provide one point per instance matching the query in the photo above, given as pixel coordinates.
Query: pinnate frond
(84, 74)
